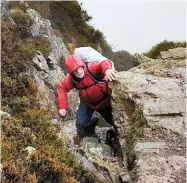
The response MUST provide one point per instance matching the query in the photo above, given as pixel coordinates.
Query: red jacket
(92, 93)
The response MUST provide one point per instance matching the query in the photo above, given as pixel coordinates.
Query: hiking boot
(113, 141)
(110, 136)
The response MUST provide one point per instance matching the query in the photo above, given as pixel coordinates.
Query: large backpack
(88, 54)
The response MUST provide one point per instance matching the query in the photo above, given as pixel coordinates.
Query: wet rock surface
(95, 153)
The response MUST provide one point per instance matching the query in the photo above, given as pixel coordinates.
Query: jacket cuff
(106, 64)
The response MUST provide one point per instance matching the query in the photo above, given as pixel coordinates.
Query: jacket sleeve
(100, 67)
(62, 88)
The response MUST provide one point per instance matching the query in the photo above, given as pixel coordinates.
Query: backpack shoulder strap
(95, 78)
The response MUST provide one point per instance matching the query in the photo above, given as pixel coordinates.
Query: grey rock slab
(40, 62)
(149, 146)
(174, 53)
(174, 124)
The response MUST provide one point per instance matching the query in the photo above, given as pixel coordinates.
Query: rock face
(4, 9)
(151, 110)
(43, 27)
(46, 71)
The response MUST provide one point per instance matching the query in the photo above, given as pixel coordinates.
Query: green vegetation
(165, 45)
(51, 161)
(123, 60)
(136, 132)
(30, 125)
(17, 53)
(20, 17)
(18, 5)
(71, 23)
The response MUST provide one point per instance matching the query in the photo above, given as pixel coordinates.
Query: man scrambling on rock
(91, 80)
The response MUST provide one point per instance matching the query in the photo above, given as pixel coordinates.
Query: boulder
(150, 100)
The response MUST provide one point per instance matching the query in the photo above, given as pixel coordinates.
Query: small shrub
(32, 178)
(17, 54)
(20, 17)
(31, 46)
(71, 180)
(48, 168)
(17, 5)
(97, 36)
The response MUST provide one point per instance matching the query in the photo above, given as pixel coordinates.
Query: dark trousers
(86, 123)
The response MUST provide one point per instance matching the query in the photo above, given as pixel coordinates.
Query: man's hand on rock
(62, 112)
(111, 74)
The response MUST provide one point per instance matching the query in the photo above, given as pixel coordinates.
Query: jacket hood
(72, 62)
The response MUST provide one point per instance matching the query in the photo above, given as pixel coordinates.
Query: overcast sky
(136, 26)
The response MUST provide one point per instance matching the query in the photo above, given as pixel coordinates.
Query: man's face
(79, 72)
